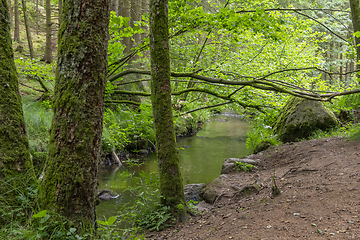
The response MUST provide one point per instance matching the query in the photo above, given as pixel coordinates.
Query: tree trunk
(16, 172)
(28, 32)
(115, 6)
(136, 17)
(70, 179)
(144, 10)
(11, 13)
(17, 21)
(48, 50)
(60, 9)
(125, 12)
(171, 184)
(355, 17)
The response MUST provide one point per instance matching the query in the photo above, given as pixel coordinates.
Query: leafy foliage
(245, 167)
(33, 69)
(145, 212)
(124, 126)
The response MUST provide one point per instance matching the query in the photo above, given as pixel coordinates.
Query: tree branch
(201, 108)
(39, 90)
(123, 101)
(331, 31)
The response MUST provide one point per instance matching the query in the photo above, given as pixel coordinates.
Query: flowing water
(201, 157)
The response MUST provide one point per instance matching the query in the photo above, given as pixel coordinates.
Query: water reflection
(200, 160)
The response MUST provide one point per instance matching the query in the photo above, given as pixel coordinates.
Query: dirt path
(319, 182)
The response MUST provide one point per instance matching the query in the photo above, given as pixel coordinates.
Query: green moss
(14, 151)
(70, 180)
(297, 122)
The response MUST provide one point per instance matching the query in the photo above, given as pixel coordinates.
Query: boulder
(213, 189)
(229, 164)
(106, 194)
(192, 191)
(300, 117)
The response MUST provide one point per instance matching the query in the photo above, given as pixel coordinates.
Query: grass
(38, 123)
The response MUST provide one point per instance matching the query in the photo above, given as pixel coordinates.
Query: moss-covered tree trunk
(171, 185)
(15, 161)
(70, 179)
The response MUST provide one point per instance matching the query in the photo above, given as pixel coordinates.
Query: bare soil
(319, 181)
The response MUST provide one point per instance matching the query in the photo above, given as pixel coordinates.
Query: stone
(212, 190)
(300, 117)
(229, 164)
(204, 206)
(106, 194)
(192, 191)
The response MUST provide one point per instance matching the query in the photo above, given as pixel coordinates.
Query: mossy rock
(213, 189)
(300, 117)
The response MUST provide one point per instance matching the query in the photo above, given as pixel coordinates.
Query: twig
(290, 170)
(39, 90)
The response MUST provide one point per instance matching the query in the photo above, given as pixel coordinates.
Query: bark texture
(17, 21)
(171, 184)
(15, 161)
(355, 16)
(48, 51)
(60, 9)
(70, 179)
(125, 12)
(27, 27)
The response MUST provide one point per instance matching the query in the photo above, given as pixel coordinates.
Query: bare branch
(340, 37)
(123, 101)
(146, 94)
(201, 108)
(39, 90)
(294, 10)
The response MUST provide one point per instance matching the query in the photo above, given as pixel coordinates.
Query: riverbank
(319, 184)
(201, 157)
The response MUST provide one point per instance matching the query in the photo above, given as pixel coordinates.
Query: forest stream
(201, 157)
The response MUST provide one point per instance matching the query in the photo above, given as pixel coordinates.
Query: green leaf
(101, 222)
(40, 214)
(111, 220)
(357, 34)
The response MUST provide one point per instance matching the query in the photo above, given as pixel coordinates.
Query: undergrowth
(144, 213)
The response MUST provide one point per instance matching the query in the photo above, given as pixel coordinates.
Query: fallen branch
(39, 90)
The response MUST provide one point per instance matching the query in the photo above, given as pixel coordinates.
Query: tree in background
(355, 16)
(70, 179)
(28, 31)
(16, 168)
(48, 50)
(171, 183)
(17, 21)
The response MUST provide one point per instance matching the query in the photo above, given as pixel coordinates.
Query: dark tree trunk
(355, 16)
(17, 21)
(171, 184)
(16, 165)
(27, 27)
(48, 50)
(70, 179)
